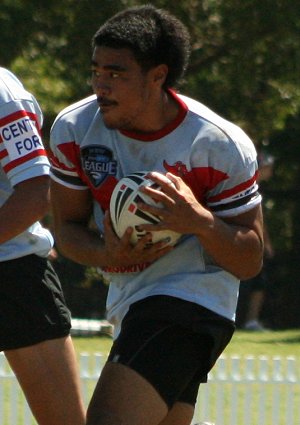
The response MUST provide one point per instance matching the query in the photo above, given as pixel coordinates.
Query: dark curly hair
(153, 35)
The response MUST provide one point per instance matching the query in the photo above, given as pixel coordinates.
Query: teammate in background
(258, 284)
(34, 320)
(174, 314)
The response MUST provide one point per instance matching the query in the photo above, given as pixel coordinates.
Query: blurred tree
(245, 61)
(245, 64)
(51, 52)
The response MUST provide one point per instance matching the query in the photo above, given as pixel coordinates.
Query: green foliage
(245, 60)
(245, 64)
(51, 53)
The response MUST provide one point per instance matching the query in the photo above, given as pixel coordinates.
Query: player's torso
(107, 155)
(203, 149)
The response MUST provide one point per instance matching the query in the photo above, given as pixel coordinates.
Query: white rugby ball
(125, 213)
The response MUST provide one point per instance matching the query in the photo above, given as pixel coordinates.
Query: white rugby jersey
(22, 156)
(213, 156)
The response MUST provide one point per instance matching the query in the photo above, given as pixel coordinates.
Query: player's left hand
(120, 252)
(181, 212)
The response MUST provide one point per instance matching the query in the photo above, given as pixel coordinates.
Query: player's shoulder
(86, 107)
(206, 114)
(11, 88)
(215, 124)
(15, 100)
(221, 138)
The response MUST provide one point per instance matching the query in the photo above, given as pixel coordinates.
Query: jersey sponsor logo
(20, 137)
(135, 268)
(98, 163)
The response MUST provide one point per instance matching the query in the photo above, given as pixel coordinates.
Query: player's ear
(160, 73)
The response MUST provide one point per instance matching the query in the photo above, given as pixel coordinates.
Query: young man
(34, 320)
(175, 314)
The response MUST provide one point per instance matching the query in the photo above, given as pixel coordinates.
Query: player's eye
(114, 74)
(95, 73)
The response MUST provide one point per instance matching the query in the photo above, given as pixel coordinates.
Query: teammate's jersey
(214, 157)
(22, 156)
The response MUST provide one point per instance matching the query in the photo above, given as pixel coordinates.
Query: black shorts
(32, 305)
(173, 344)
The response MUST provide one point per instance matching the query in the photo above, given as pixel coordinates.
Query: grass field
(272, 343)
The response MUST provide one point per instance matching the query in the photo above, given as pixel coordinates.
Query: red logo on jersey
(179, 169)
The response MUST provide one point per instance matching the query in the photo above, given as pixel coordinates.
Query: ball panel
(125, 212)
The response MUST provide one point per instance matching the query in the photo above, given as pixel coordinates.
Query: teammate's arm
(28, 203)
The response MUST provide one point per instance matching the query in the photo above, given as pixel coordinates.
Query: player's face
(123, 90)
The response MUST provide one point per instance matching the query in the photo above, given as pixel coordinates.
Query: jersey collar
(148, 137)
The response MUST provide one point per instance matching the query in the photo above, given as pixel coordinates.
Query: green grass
(92, 345)
(272, 343)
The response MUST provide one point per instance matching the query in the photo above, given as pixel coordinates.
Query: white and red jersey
(22, 157)
(213, 156)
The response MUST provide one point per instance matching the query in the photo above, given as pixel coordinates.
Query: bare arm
(72, 210)
(28, 203)
(235, 244)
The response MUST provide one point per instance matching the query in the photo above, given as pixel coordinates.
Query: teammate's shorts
(32, 305)
(173, 344)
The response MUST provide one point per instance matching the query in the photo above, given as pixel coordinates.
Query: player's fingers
(163, 181)
(163, 214)
(176, 180)
(125, 239)
(144, 242)
(159, 197)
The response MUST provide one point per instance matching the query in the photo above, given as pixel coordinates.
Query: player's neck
(160, 112)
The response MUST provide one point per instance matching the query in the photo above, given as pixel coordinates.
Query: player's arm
(235, 244)
(28, 203)
(72, 211)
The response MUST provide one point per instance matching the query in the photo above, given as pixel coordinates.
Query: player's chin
(111, 120)
(110, 123)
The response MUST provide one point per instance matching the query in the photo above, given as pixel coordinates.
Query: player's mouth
(105, 104)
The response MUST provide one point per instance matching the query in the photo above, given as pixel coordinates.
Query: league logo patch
(98, 164)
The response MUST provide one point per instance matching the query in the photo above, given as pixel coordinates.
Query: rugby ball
(125, 213)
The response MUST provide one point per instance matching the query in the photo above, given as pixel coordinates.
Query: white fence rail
(240, 390)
